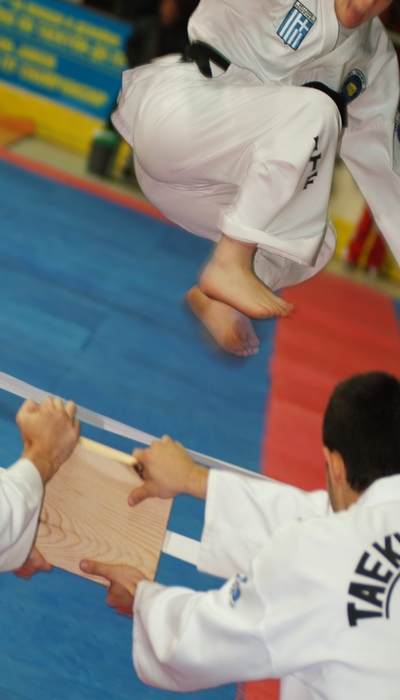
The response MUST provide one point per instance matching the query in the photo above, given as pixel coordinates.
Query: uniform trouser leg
(232, 155)
(278, 272)
(294, 689)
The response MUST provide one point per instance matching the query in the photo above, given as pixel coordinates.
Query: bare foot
(231, 329)
(229, 277)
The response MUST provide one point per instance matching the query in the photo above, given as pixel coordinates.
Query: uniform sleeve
(259, 624)
(242, 513)
(371, 146)
(21, 492)
(185, 641)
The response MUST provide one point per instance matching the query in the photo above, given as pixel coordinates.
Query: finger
(138, 495)
(23, 573)
(96, 568)
(47, 402)
(120, 609)
(29, 569)
(30, 406)
(138, 454)
(139, 469)
(165, 438)
(70, 408)
(118, 598)
(123, 611)
(58, 403)
(37, 560)
(114, 593)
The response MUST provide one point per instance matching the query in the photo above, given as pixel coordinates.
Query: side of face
(341, 495)
(353, 13)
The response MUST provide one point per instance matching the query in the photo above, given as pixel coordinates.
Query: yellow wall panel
(63, 125)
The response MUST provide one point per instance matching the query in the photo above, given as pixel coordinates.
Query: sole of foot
(232, 330)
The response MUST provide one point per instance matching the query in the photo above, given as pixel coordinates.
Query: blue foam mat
(90, 308)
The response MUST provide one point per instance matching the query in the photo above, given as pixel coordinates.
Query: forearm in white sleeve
(242, 513)
(185, 641)
(21, 493)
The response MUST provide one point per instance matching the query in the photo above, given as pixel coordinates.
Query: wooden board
(85, 514)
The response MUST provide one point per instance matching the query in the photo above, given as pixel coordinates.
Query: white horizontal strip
(27, 391)
(181, 547)
(175, 545)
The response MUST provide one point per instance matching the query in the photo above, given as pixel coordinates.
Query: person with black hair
(362, 425)
(313, 592)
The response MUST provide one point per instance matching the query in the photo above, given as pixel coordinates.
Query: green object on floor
(103, 152)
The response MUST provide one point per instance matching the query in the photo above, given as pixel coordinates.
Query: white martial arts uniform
(21, 494)
(313, 596)
(248, 152)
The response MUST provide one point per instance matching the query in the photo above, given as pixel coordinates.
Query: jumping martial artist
(313, 590)
(237, 142)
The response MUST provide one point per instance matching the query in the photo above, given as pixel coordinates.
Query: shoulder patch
(354, 84)
(296, 25)
(236, 589)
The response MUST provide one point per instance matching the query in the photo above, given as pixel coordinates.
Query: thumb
(138, 495)
(29, 406)
(96, 568)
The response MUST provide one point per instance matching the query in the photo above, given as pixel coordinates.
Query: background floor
(90, 309)
(346, 201)
(90, 293)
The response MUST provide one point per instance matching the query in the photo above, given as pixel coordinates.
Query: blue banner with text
(68, 53)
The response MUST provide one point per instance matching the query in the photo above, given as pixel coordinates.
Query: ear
(335, 467)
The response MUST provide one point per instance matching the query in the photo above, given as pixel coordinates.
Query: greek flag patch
(296, 25)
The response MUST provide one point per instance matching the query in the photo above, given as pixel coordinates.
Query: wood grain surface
(85, 514)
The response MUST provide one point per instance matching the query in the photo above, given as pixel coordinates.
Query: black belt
(202, 54)
(337, 97)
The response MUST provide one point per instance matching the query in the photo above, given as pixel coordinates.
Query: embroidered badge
(236, 590)
(296, 25)
(354, 84)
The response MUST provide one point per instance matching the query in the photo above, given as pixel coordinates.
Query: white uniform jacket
(312, 594)
(233, 155)
(21, 493)
(293, 44)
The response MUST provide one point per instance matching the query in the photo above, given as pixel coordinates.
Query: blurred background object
(367, 247)
(60, 67)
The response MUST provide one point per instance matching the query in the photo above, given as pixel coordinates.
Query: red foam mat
(339, 328)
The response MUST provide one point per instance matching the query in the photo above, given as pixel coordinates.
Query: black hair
(362, 423)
